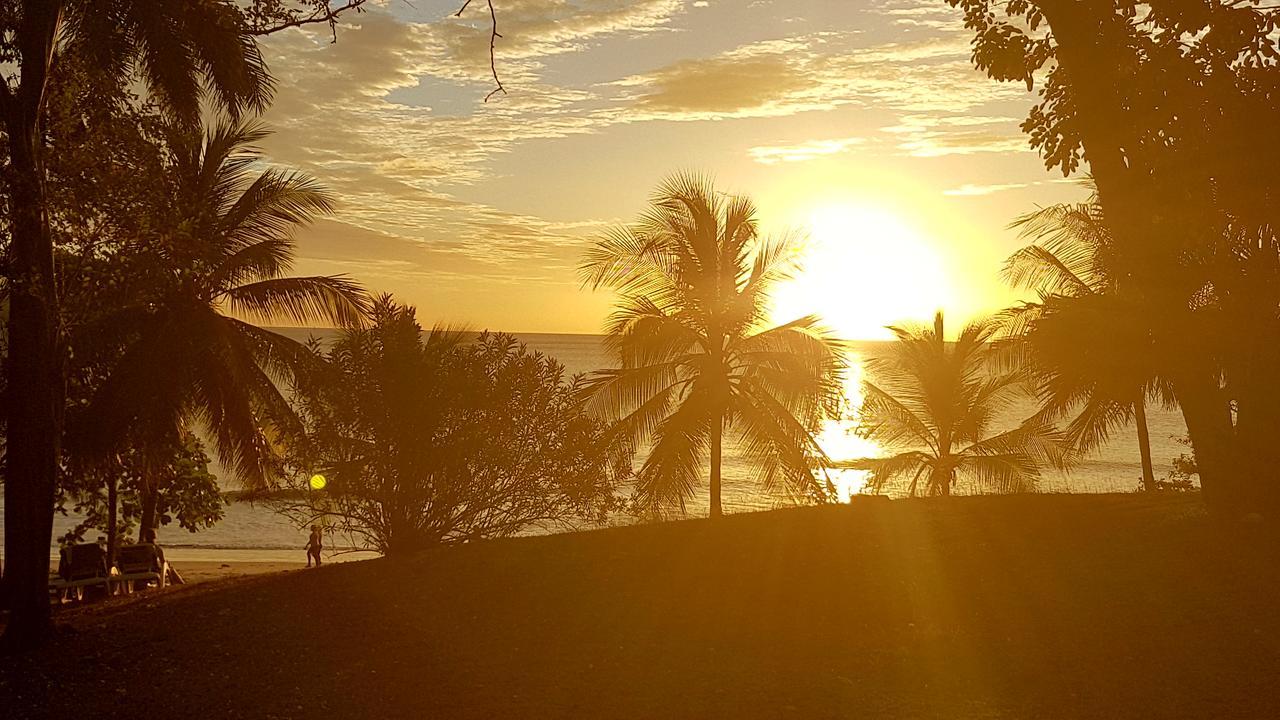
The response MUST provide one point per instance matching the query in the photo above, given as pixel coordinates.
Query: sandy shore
(204, 571)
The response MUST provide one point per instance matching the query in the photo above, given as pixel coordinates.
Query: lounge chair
(139, 562)
(81, 566)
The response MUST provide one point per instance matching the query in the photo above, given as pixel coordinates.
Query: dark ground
(994, 607)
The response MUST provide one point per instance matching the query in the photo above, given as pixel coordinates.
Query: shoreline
(202, 571)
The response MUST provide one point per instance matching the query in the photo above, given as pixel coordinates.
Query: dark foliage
(698, 362)
(185, 491)
(1164, 102)
(437, 438)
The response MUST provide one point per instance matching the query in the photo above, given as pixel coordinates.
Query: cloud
(815, 71)
(397, 167)
(928, 14)
(968, 190)
(811, 150)
(923, 135)
(722, 85)
(391, 116)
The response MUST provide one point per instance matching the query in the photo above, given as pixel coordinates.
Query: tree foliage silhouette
(222, 255)
(697, 362)
(1087, 350)
(435, 438)
(183, 52)
(1163, 101)
(933, 403)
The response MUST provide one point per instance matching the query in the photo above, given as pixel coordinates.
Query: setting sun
(863, 268)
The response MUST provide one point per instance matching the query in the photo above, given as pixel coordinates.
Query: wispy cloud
(392, 119)
(968, 190)
(811, 150)
(933, 135)
(816, 71)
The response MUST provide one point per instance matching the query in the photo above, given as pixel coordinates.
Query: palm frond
(182, 50)
(1035, 267)
(884, 471)
(301, 299)
(890, 422)
(781, 446)
(669, 475)
(1035, 443)
(273, 205)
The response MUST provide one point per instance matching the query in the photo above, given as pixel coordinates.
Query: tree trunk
(150, 499)
(717, 432)
(1144, 445)
(1209, 428)
(113, 528)
(1257, 395)
(35, 377)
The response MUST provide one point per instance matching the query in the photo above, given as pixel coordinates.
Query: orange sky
(859, 122)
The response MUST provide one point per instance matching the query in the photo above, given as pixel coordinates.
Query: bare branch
(322, 14)
(493, 40)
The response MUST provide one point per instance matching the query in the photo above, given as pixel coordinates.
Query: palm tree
(1086, 346)
(223, 260)
(182, 52)
(693, 278)
(934, 404)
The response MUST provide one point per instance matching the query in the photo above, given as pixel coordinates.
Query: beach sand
(204, 571)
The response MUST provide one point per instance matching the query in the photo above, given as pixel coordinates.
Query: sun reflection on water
(840, 441)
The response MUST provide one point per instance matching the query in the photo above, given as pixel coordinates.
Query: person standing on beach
(314, 545)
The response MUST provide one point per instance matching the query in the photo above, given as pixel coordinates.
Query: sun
(863, 268)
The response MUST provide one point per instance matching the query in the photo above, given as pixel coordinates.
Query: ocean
(257, 533)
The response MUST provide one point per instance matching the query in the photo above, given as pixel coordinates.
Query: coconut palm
(183, 52)
(933, 403)
(193, 354)
(1085, 345)
(696, 361)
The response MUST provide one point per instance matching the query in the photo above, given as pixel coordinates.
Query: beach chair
(81, 566)
(139, 563)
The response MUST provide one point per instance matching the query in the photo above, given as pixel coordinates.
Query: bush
(434, 438)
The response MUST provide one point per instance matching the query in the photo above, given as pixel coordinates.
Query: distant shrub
(184, 491)
(1181, 477)
(439, 437)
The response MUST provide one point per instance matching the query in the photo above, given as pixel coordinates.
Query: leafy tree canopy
(438, 438)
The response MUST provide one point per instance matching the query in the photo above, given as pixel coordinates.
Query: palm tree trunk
(717, 432)
(35, 394)
(113, 525)
(1144, 445)
(150, 499)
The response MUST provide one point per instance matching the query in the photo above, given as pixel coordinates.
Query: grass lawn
(1084, 606)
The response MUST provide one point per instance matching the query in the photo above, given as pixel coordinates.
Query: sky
(857, 124)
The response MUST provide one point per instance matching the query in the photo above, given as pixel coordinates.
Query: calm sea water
(256, 533)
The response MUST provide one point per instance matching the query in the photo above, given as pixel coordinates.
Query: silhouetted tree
(696, 358)
(1087, 350)
(222, 248)
(187, 54)
(1163, 101)
(435, 438)
(178, 50)
(933, 403)
(110, 496)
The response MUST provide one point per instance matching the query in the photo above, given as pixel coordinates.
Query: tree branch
(493, 40)
(322, 14)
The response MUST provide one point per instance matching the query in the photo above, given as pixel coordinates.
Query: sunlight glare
(863, 268)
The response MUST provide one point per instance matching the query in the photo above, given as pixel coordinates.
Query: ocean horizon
(255, 532)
